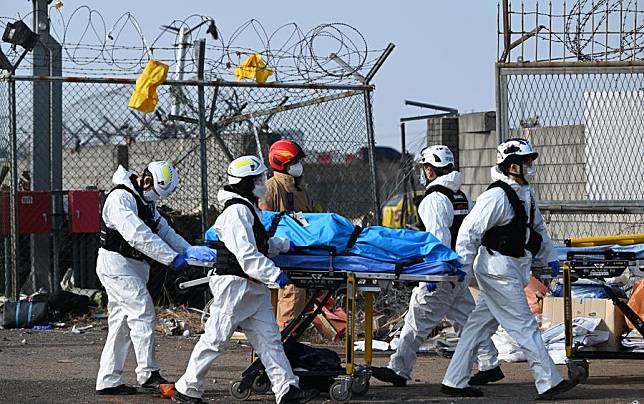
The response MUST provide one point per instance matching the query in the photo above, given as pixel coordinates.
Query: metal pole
(506, 30)
(41, 167)
(372, 157)
(182, 46)
(403, 143)
(15, 292)
(403, 148)
(201, 54)
(381, 60)
(56, 157)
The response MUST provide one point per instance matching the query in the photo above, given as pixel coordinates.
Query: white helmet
(515, 147)
(164, 178)
(437, 156)
(245, 166)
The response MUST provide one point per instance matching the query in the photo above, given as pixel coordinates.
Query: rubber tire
(360, 389)
(579, 372)
(261, 384)
(338, 394)
(237, 395)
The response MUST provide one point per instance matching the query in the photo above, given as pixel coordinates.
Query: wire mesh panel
(98, 132)
(586, 122)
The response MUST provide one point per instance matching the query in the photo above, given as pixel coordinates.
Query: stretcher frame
(613, 264)
(353, 379)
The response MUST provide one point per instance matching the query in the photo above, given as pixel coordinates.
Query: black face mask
(244, 188)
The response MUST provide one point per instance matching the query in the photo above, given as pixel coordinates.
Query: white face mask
(530, 172)
(260, 187)
(150, 195)
(296, 170)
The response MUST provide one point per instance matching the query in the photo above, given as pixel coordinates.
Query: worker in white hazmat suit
(499, 239)
(239, 287)
(133, 232)
(442, 211)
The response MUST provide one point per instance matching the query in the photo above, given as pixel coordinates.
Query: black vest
(112, 240)
(227, 263)
(459, 203)
(510, 239)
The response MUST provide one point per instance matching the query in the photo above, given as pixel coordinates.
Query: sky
(445, 50)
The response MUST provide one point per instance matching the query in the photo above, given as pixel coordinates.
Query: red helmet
(284, 152)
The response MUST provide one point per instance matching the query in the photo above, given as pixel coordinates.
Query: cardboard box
(612, 316)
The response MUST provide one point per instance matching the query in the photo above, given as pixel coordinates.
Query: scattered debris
(186, 333)
(64, 361)
(172, 326)
(81, 330)
(99, 315)
(375, 344)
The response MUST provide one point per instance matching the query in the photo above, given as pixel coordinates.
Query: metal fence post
(15, 291)
(200, 46)
(372, 156)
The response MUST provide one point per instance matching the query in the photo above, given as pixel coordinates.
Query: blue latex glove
(555, 268)
(291, 249)
(461, 275)
(201, 253)
(282, 280)
(179, 262)
(431, 286)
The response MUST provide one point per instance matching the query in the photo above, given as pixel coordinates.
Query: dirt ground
(60, 367)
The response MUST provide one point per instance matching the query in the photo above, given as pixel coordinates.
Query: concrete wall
(477, 151)
(562, 171)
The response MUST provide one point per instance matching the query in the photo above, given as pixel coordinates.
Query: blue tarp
(376, 242)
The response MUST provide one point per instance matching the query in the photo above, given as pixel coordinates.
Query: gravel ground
(60, 367)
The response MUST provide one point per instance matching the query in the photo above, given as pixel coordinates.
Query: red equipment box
(84, 211)
(34, 212)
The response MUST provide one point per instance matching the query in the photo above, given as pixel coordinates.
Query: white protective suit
(131, 311)
(240, 302)
(501, 280)
(451, 300)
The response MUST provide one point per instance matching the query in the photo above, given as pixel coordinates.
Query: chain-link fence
(586, 119)
(89, 131)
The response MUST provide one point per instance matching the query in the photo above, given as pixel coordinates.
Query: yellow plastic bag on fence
(145, 98)
(253, 67)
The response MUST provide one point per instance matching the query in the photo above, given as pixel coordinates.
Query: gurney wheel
(261, 384)
(340, 392)
(239, 395)
(360, 386)
(578, 370)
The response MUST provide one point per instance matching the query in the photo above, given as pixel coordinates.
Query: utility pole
(46, 164)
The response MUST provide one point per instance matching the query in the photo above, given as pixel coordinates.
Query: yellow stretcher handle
(622, 239)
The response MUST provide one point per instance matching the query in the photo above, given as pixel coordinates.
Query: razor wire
(94, 47)
(582, 30)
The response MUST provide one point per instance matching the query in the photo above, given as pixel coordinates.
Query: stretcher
(325, 275)
(598, 263)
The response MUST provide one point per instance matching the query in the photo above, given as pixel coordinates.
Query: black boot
(388, 376)
(154, 381)
(297, 396)
(562, 387)
(464, 392)
(486, 376)
(120, 390)
(182, 398)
